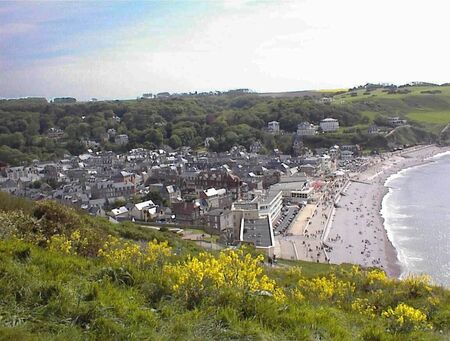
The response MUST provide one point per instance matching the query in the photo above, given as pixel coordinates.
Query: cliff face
(409, 135)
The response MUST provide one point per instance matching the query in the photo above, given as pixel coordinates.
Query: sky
(122, 49)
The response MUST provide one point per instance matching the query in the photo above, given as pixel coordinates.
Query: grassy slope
(432, 111)
(47, 295)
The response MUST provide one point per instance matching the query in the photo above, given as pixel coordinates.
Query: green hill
(238, 118)
(426, 106)
(64, 275)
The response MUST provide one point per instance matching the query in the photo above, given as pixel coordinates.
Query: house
(55, 133)
(346, 155)
(256, 147)
(187, 213)
(306, 129)
(144, 211)
(167, 174)
(3, 167)
(333, 152)
(396, 121)
(163, 95)
(51, 172)
(121, 139)
(9, 186)
(110, 189)
(21, 172)
(218, 221)
(216, 198)
(111, 132)
(170, 193)
(373, 129)
(219, 178)
(308, 169)
(125, 177)
(120, 213)
(329, 124)
(326, 100)
(354, 148)
(208, 141)
(297, 145)
(273, 127)
(96, 211)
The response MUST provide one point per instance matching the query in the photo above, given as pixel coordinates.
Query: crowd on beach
(357, 234)
(345, 224)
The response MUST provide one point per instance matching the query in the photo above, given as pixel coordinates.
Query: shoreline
(357, 233)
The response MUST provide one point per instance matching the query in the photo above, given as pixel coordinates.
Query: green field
(369, 114)
(435, 117)
(425, 106)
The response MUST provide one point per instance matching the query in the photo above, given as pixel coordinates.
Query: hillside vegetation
(230, 119)
(64, 275)
(426, 106)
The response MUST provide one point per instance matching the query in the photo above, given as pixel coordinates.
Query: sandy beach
(355, 232)
(344, 224)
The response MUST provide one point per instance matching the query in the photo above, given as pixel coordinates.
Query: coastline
(357, 232)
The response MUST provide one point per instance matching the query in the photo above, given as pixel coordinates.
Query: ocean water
(416, 214)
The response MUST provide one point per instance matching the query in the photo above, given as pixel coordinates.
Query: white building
(296, 191)
(143, 211)
(306, 129)
(112, 132)
(273, 127)
(269, 204)
(373, 129)
(396, 121)
(329, 124)
(326, 100)
(208, 141)
(346, 155)
(121, 139)
(119, 213)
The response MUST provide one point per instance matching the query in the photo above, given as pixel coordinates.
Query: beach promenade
(304, 238)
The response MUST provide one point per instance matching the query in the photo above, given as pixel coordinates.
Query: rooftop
(257, 231)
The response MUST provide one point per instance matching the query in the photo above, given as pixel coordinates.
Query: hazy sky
(117, 49)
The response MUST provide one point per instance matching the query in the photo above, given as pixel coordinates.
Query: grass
(370, 114)
(434, 117)
(427, 107)
(51, 295)
(333, 90)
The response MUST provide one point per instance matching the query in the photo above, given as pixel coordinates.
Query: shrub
(232, 271)
(416, 286)
(326, 289)
(116, 251)
(406, 319)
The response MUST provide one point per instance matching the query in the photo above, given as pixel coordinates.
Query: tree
(154, 136)
(175, 141)
(75, 147)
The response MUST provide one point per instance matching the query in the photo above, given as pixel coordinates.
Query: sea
(416, 213)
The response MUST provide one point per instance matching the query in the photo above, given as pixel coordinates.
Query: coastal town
(289, 206)
(211, 170)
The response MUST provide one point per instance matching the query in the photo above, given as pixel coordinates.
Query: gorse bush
(120, 252)
(231, 271)
(326, 289)
(405, 318)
